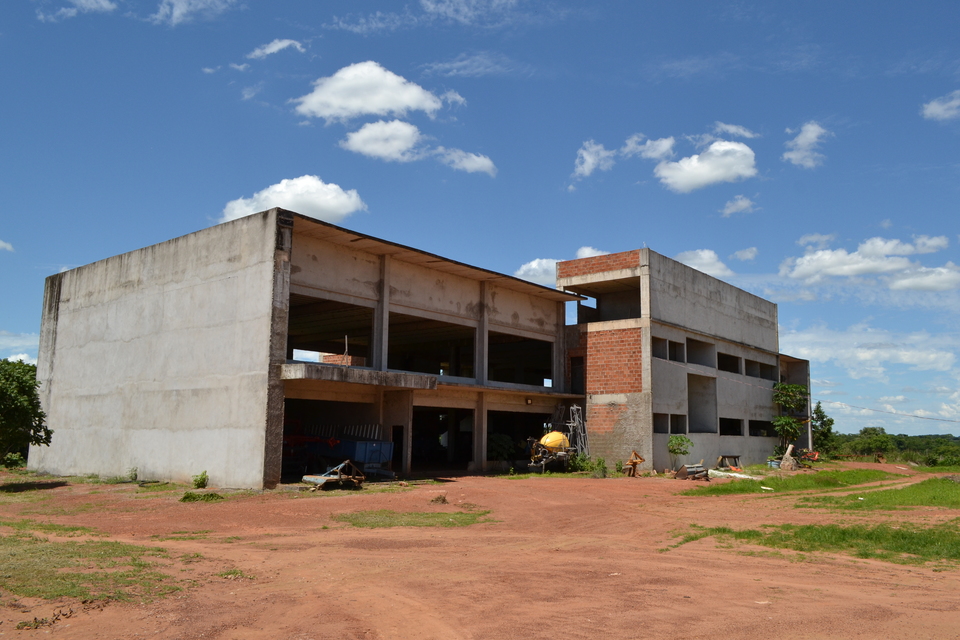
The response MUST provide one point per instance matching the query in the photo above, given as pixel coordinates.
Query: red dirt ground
(564, 558)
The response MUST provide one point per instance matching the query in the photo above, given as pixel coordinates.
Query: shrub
(200, 480)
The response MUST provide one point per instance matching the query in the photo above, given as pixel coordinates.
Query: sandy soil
(563, 558)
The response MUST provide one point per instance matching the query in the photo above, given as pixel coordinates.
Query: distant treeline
(931, 450)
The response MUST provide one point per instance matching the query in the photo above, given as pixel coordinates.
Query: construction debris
(631, 465)
(789, 463)
(345, 473)
(692, 472)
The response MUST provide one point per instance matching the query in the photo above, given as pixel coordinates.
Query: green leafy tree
(872, 440)
(21, 418)
(822, 425)
(792, 400)
(678, 445)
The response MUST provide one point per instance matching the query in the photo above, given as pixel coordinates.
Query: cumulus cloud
(722, 161)
(746, 254)
(77, 7)
(308, 195)
(944, 108)
(395, 141)
(739, 204)
(465, 161)
(365, 88)
(22, 357)
(875, 257)
(276, 46)
(660, 149)
(802, 149)
(722, 128)
(544, 270)
(866, 352)
(705, 260)
(174, 12)
(5, 246)
(592, 156)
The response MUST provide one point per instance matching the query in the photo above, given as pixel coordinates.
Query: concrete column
(479, 462)
(397, 410)
(481, 343)
(381, 318)
(558, 374)
(273, 437)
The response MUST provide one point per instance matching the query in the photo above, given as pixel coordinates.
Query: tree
(792, 399)
(872, 440)
(21, 418)
(822, 426)
(678, 445)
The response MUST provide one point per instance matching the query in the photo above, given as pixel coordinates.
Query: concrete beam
(353, 375)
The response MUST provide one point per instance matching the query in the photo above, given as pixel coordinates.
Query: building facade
(218, 350)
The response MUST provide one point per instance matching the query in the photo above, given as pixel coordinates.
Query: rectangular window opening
(660, 349)
(728, 363)
(762, 429)
(661, 423)
(430, 346)
(519, 360)
(329, 332)
(677, 351)
(731, 427)
(678, 424)
(702, 353)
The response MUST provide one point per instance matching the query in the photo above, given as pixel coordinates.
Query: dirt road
(560, 558)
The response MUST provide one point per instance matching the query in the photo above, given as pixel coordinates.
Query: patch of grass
(820, 480)
(62, 530)
(385, 518)
(234, 574)
(190, 496)
(158, 487)
(901, 544)
(182, 535)
(934, 492)
(36, 568)
(231, 539)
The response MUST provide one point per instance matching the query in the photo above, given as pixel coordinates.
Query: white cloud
(544, 270)
(365, 88)
(239, 67)
(722, 161)
(5, 246)
(590, 252)
(737, 205)
(452, 97)
(464, 161)
(945, 108)
(866, 352)
(820, 240)
(746, 254)
(174, 12)
(466, 11)
(78, 6)
(395, 141)
(210, 69)
(484, 63)
(477, 13)
(802, 149)
(308, 195)
(18, 341)
(660, 149)
(943, 278)
(875, 256)
(705, 260)
(374, 22)
(887, 223)
(22, 357)
(722, 128)
(249, 92)
(592, 156)
(276, 46)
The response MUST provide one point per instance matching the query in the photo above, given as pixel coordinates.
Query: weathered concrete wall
(325, 268)
(158, 359)
(709, 446)
(685, 297)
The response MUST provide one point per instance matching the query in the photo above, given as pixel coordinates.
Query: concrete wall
(687, 298)
(708, 446)
(158, 359)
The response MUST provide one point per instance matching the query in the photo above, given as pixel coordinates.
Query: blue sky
(807, 152)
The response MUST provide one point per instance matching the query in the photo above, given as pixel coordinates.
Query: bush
(200, 480)
(579, 462)
(13, 461)
(598, 468)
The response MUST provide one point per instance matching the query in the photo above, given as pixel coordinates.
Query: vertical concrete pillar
(397, 411)
(479, 462)
(381, 318)
(559, 374)
(273, 440)
(482, 341)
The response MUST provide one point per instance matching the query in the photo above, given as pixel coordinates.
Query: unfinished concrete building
(180, 357)
(660, 348)
(237, 348)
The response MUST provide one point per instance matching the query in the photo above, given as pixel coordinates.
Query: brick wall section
(613, 361)
(603, 418)
(599, 264)
(350, 361)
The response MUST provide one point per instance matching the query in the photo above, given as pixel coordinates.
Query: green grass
(159, 487)
(384, 518)
(190, 496)
(820, 480)
(182, 535)
(903, 544)
(934, 492)
(234, 574)
(62, 530)
(36, 568)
